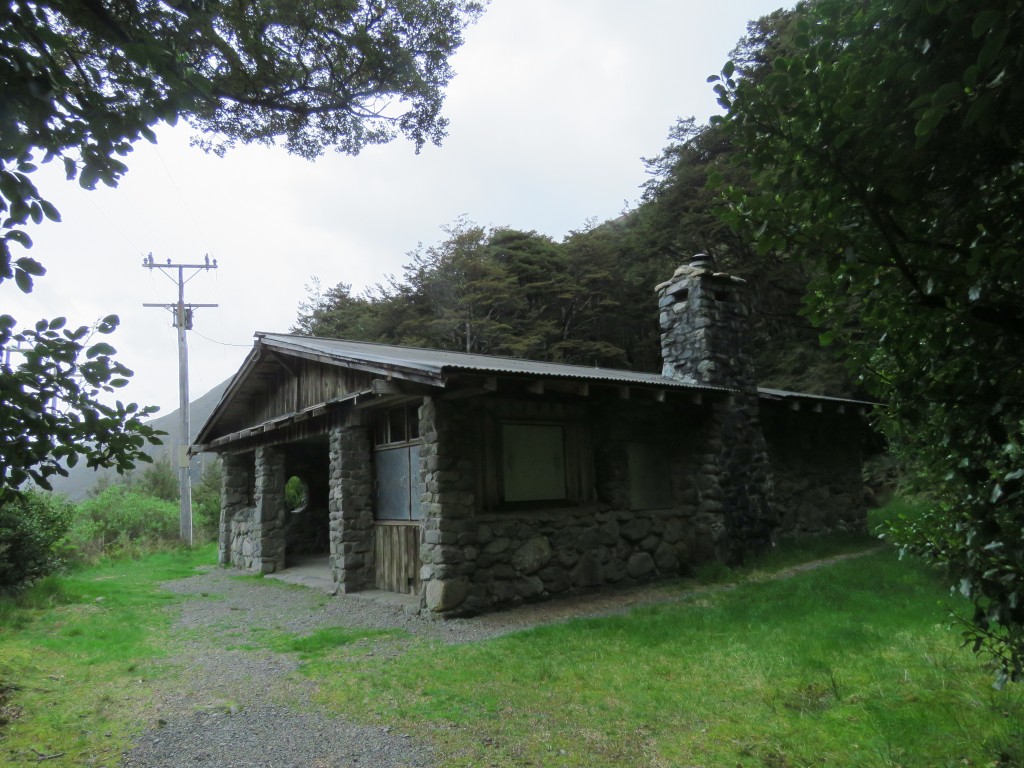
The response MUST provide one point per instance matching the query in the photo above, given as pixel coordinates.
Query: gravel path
(227, 707)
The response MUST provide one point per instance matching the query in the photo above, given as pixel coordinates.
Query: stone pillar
(235, 497)
(269, 518)
(704, 340)
(447, 549)
(351, 509)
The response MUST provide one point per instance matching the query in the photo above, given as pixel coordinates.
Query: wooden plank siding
(302, 384)
(397, 556)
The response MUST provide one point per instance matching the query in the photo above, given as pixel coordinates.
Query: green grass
(853, 665)
(324, 640)
(849, 665)
(77, 650)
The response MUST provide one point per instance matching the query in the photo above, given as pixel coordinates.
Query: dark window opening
(650, 476)
(533, 462)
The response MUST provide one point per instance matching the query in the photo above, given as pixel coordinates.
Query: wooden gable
(272, 386)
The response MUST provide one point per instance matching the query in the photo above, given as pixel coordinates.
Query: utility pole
(183, 322)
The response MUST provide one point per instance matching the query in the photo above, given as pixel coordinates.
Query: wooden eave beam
(390, 386)
(279, 422)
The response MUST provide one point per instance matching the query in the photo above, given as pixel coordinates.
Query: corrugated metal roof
(784, 394)
(436, 362)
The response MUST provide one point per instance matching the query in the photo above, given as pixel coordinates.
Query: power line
(222, 343)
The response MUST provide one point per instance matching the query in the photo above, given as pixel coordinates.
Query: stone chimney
(704, 327)
(704, 337)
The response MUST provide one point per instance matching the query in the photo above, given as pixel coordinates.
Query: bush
(31, 531)
(206, 504)
(119, 516)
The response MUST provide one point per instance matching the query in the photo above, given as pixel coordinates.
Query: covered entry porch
(358, 527)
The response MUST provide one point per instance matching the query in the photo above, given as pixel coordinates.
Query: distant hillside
(81, 479)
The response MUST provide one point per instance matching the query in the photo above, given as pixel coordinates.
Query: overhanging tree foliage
(51, 408)
(82, 80)
(884, 139)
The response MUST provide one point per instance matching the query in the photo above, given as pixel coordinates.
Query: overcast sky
(554, 104)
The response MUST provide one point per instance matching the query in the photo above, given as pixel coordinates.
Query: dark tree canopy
(587, 300)
(883, 139)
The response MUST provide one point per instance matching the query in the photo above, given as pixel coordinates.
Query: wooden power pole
(183, 322)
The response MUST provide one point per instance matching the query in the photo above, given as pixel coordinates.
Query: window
(396, 425)
(533, 462)
(296, 495)
(398, 483)
(650, 478)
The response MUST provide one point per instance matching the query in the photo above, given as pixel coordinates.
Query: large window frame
(396, 452)
(576, 484)
(533, 463)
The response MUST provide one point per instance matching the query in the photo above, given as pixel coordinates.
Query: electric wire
(215, 341)
(184, 204)
(110, 221)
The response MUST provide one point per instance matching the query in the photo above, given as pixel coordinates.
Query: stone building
(474, 482)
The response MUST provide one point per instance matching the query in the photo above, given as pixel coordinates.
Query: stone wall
(257, 532)
(476, 560)
(449, 466)
(351, 508)
(236, 510)
(816, 462)
(269, 518)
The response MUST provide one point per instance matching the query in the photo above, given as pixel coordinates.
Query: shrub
(160, 480)
(31, 531)
(118, 517)
(206, 503)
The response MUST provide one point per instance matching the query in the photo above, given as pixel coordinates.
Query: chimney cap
(702, 260)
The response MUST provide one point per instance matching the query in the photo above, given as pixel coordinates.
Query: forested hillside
(589, 299)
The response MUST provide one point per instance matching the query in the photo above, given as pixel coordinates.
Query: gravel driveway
(223, 707)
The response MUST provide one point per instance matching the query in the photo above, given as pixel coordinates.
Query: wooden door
(397, 556)
(397, 490)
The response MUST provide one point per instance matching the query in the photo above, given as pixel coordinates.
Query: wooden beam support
(386, 387)
(535, 387)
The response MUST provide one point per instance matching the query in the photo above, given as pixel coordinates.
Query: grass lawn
(849, 665)
(75, 659)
